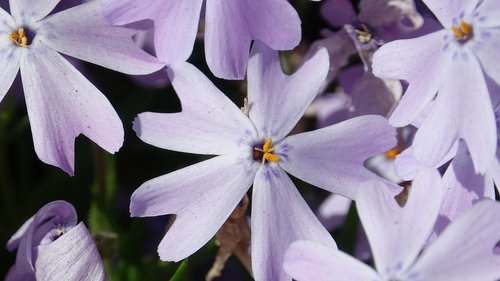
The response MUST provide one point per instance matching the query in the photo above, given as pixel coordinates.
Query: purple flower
(397, 236)
(453, 63)
(61, 103)
(256, 151)
(230, 27)
(51, 246)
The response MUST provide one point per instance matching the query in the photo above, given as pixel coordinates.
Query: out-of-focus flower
(464, 251)
(51, 246)
(453, 63)
(61, 103)
(230, 27)
(253, 150)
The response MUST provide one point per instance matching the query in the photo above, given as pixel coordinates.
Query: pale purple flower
(453, 63)
(52, 246)
(256, 151)
(230, 27)
(397, 235)
(61, 103)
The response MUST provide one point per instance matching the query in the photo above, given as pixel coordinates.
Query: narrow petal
(372, 95)
(63, 104)
(227, 40)
(486, 51)
(232, 25)
(404, 59)
(465, 250)
(83, 32)
(333, 211)
(463, 186)
(209, 123)
(33, 10)
(458, 115)
(121, 12)
(278, 101)
(338, 12)
(73, 256)
(46, 219)
(176, 23)
(9, 60)
(332, 158)
(487, 13)
(398, 234)
(279, 216)
(202, 196)
(175, 29)
(307, 260)
(447, 10)
(340, 47)
(9, 53)
(407, 166)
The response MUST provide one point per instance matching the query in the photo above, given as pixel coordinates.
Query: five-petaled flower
(256, 150)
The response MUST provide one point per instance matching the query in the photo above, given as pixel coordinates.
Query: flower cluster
(404, 97)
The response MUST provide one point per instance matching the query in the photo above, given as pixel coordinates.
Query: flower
(51, 246)
(255, 150)
(61, 103)
(464, 251)
(455, 63)
(230, 27)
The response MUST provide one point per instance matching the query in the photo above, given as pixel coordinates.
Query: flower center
(265, 152)
(19, 37)
(463, 31)
(363, 33)
(391, 154)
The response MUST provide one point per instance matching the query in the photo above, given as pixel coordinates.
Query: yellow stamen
(363, 33)
(463, 31)
(19, 37)
(268, 145)
(391, 154)
(271, 157)
(268, 150)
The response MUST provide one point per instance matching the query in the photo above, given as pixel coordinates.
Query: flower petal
(176, 23)
(230, 26)
(307, 260)
(121, 12)
(209, 122)
(202, 196)
(487, 52)
(275, 195)
(487, 13)
(338, 12)
(9, 60)
(278, 101)
(63, 104)
(398, 234)
(404, 59)
(83, 32)
(333, 211)
(470, 241)
(456, 115)
(31, 10)
(463, 187)
(332, 158)
(9, 53)
(52, 214)
(73, 256)
(447, 10)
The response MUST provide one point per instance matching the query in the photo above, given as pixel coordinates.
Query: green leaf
(182, 273)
